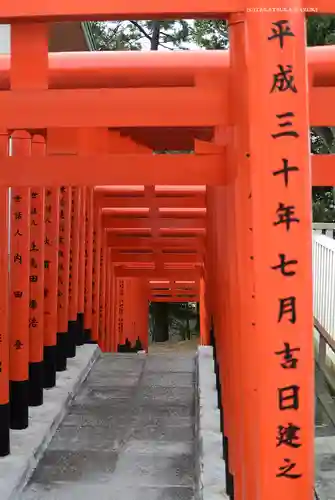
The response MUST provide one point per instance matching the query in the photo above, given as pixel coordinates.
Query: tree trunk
(156, 31)
(197, 325)
(188, 330)
(160, 312)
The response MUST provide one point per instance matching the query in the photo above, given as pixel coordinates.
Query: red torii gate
(263, 464)
(38, 11)
(148, 251)
(177, 291)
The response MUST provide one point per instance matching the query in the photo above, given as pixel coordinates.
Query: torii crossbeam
(242, 127)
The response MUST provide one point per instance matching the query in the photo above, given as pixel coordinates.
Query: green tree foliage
(181, 319)
(210, 35)
(136, 35)
(116, 36)
(321, 31)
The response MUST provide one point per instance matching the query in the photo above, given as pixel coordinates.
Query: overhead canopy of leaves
(210, 35)
(139, 35)
(320, 30)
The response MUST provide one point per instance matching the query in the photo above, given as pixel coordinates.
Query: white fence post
(326, 228)
(324, 290)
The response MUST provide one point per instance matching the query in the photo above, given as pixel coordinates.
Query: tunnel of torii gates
(100, 221)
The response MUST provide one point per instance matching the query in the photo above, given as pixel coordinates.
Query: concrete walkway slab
(27, 446)
(129, 434)
(103, 492)
(211, 465)
(325, 467)
(209, 438)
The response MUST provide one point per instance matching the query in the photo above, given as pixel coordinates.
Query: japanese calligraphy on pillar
(89, 259)
(4, 303)
(94, 269)
(102, 289)
(86, 251)
(120, 310)
(71, 246)
(81, 256)
(96, 281)
(288, 103)
(74, 255)
(36, 278)
(64, 257)
(19, 289)
(51, 242)
(100, 302)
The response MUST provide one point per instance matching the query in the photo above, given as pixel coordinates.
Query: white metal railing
(324, 291)
(326, 228)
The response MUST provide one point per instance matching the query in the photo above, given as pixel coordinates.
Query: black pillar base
(19, 404)
(80, 340)
(211, 334)
(4, 430)
(72, 332)
(61, 354)
(225, 444)
(49, 366)
(229, 475)
(87, 335)
(92, 342)
(218, 389)
(36, 376)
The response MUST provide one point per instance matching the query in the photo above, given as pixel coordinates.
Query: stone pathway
(324, 427)
(129, 434)
(325, 440)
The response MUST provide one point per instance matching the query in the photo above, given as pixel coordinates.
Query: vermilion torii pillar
(243, 230)
(281, 194)
(36, 285)
(74, 271)
(19, 272)
(81, 267)
(51, 251)
(89, 261)
(65, 205)
(4, 309)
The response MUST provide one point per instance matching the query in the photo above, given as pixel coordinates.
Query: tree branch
(142, 30)
(148, 36)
